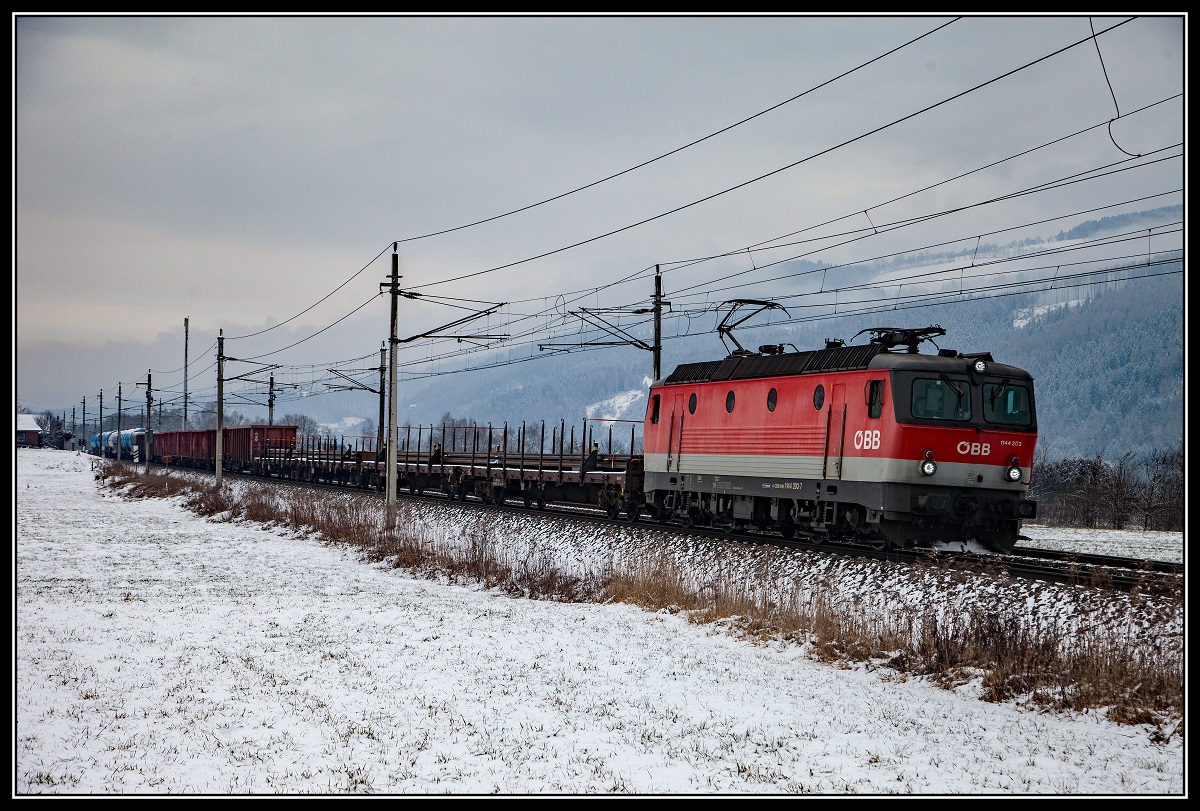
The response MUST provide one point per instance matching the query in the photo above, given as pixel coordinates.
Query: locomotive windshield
(1006, 403)
(941, 398)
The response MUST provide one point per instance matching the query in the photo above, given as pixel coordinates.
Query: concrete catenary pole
(394, 342)
(657, 349)
(118, 422)
(382, 396)
(149, 428)
(219, 461)
(185, 372)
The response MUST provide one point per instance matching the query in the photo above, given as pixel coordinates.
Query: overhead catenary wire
(633, 276)
(690, 144)
(766, 175)
(861, 233)
(925, 247)
(644, 221)
(607, 178)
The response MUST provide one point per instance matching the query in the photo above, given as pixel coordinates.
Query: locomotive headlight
(928, 467)
(1013, 474)
(980, 366)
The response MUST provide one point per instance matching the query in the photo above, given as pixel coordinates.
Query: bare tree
(305, 425)
(1161, 499)
(1122, 486)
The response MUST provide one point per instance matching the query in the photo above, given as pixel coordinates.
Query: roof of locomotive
(834, 359)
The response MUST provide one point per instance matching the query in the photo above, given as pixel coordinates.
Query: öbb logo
(866, 440)
(974, 448)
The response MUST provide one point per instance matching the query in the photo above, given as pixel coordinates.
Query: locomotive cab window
(819, 397)
(875, 399)
(654, 403)
(941, 398)
(1006, 404)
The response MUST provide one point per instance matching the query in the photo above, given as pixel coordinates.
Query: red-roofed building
(28, 431)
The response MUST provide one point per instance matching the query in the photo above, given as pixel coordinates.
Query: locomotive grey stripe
(853, 468)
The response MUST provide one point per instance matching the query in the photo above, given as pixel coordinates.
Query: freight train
(877, 444)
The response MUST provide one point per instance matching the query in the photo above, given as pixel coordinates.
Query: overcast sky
(237, 170)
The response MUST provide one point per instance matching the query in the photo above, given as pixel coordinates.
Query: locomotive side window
(941, 399)
(819, 397)
(654, 401)
(772, 399)
(1006, 404)
(692, 404)
(729, 402)
(875, 399)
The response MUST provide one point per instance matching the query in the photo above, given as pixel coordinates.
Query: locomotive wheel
(633, 512)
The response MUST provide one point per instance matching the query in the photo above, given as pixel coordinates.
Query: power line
(773, 172)
(690, 144)
(613, 176)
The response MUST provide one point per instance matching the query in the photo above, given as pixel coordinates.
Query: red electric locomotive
(876, 443)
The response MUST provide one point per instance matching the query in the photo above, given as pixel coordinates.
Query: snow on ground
(1138, 544)
(156, 652)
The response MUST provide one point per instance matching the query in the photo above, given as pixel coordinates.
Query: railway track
(1070, 568)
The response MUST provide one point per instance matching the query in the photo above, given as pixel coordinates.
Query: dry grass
(1011, 661)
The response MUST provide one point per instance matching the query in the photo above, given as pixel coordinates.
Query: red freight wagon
(257, 448)
(185, 448)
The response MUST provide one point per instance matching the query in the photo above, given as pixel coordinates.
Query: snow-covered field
(1125, 543)
(156, 652)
